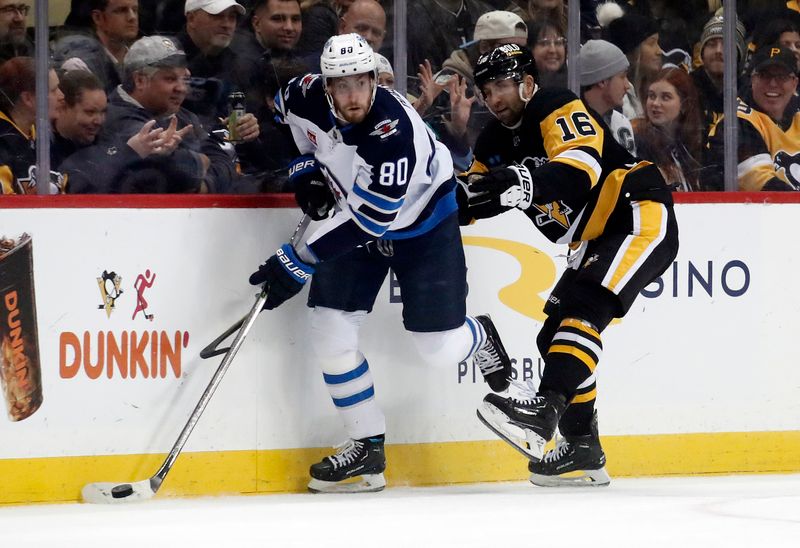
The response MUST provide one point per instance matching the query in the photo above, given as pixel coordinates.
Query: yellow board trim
(60, 479)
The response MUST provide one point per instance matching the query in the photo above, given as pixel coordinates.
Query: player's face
(502, 98)
(618, 86)
(773, 88)
(663, 104)
(712, 56)
(352, 96)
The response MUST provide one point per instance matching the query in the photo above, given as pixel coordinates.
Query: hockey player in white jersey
(369, 158)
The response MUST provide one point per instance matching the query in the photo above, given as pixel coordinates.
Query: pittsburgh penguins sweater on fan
(390, 177)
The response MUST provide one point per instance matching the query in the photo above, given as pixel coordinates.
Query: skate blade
(529, 443)
(581, 478)
(369, 483)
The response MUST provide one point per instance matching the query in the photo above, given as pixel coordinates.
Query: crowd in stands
(140, 91)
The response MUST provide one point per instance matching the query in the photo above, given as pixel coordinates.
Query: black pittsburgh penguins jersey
(581, 174)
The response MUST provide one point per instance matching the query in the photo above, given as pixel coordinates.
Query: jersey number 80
(392, 173)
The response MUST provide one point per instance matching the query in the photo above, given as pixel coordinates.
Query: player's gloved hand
(512, 185)
(283, 276)
(310, 187)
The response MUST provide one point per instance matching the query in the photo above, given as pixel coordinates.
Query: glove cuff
(302, 165)
(291, 263)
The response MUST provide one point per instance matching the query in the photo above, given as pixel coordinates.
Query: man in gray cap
(604, 82)
(154, 88)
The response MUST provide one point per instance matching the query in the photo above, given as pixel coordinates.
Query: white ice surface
(726, 511)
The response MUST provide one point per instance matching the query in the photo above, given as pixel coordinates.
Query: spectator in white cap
(604, 83)
(385, 71)
(216, 70)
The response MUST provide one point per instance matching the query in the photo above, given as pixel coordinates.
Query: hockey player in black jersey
(548, 155)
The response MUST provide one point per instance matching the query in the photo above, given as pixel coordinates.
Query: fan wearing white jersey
(384, 187)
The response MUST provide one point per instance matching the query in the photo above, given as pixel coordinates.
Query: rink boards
(700, 377)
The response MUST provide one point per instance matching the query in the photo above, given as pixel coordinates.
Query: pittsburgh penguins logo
(554, 212)
(790, 163)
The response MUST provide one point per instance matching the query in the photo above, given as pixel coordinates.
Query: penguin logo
(790, 163)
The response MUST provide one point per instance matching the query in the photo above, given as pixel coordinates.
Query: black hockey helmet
(506, 61)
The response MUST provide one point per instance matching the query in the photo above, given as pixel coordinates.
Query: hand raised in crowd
(148, 140)
(246, 126)
(429, 89)
(173, 137)
(460, 106)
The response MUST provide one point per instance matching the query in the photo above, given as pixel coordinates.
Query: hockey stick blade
(117, 493)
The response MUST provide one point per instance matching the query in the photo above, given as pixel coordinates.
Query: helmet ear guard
(347, 55)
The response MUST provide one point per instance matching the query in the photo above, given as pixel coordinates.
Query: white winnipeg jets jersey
(390, 176)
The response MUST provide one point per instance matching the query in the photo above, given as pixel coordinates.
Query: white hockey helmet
(347, 55)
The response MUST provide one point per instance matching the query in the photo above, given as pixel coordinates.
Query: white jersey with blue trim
(390, 176)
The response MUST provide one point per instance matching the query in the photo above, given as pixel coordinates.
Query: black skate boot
(492, 358)
(526, 421)
(576, 461)
(362, 458)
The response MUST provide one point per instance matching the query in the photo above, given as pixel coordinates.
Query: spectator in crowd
(459, 129)
(13, 26)
(385, 71)
(81, 116)
(154, 87)
(604, 83)
(273, 33)
(548, 10)
(320, 21)
(115, 25)
(367, 18)
(670, 134)
(549, 48)
(784, 31)
(637, 36)
(708, 77)
(439, 27)
(210, 26)
(17, 119)
(768, 126)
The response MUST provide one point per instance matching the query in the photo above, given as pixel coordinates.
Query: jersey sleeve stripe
(381, 203)
(379, 217)
(582, 160)
(368, 225)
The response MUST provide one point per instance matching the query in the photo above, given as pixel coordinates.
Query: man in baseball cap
(769, 138)
(153, 51)
(214, 7)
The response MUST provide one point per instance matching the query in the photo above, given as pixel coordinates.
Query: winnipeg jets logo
(790, 163)
(306, 82)
(385, 129)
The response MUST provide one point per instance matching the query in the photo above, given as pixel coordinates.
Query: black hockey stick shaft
(246, 323)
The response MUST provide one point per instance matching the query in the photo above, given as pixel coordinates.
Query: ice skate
(362, 461)
(576, 461)
(526, 421)
(492, 358)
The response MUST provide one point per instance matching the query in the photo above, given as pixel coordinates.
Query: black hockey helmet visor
(506, 61)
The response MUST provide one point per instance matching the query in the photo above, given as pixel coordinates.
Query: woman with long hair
(670, 134)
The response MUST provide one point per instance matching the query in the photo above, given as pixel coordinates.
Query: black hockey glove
(311, 189)
(283, 276)
(500, 190)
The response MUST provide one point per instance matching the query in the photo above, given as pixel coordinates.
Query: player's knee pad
(334, 338)
(444, 348)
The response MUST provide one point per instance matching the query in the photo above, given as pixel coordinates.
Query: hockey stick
(111, 493)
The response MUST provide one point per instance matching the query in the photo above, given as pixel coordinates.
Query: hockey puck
(122, 491)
